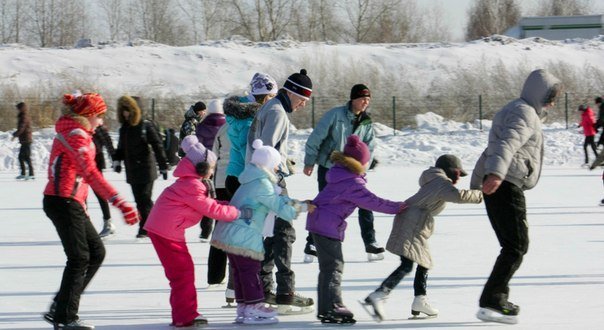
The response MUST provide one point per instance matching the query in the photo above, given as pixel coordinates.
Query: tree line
(61, 23)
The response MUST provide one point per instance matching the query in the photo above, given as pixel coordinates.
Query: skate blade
(294, 310)
(422, 317)
(375, 256)
(488, 315)
(260, 320)
(338, 322)
(229, 305)
(371, 311)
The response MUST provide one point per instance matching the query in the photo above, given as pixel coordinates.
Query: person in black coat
(140, 147)
(102, 139)
(600, 120)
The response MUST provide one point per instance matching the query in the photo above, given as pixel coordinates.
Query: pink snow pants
(180, 271)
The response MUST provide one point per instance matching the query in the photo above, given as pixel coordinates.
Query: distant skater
(23, 133)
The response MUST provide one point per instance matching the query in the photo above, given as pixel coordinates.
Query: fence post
(394, 115)
(312, 112)
(566, 108)
(480, 110)
(153, 109)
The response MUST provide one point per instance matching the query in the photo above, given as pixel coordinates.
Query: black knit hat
(199, 106)
(359, 90)
(299, 84)
(598, 100)
(450, 162)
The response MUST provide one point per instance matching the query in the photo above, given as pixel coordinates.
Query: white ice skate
(491, 315)
(374, 305)
(421, 305)
(259, 314)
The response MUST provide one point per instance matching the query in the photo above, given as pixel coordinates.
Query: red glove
(130, 213)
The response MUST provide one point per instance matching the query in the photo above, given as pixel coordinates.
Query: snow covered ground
(559, 286)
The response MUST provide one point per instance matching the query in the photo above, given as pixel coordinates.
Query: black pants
(84, 250)
(142, 196)
(589, 141)
(506, 209)
(104, 207)
(365, 216)
(419, 283)
(217, 259)
(278, 252)
(25, 158)
(331, 269)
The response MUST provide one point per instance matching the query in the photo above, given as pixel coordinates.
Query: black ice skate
(506, 313)
(338, 315)
(73, 325)
(50, 315)
(292, 303)
(374, 252)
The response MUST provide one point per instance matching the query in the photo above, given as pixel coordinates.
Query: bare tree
(159, 22)
(263, 20)
(564, 7)
(206, 18)
(10, 17)
(487, 17)
(113, 12)
(368, 17)
(315, 20)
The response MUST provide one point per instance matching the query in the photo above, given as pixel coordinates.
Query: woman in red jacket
(71, 170)
(588, 122)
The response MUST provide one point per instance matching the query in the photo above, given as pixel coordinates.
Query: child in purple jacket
(345, 191)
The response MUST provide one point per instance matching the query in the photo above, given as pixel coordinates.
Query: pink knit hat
(357, 149)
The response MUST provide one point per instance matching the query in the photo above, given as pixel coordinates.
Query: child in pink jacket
(181, 206)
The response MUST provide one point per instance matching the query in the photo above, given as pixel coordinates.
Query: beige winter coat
(413, 227)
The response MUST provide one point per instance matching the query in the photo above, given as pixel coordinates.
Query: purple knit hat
(357, 149)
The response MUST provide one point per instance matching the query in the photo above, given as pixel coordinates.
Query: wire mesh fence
(395, 112)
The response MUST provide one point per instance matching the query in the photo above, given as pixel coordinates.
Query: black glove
(117, 166)
(164, 174)
(246, 213)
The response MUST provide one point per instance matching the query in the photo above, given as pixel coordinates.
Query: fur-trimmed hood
(348, 162)
(129, 103)
(240, 107)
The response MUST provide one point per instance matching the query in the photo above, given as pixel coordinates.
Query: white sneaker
(376, 299)
(258, 313)
(421, 305)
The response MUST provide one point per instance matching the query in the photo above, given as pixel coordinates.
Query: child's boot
(240, 313)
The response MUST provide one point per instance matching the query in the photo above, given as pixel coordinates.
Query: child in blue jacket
(242, 240)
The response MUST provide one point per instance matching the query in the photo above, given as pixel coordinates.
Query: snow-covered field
(559, 286)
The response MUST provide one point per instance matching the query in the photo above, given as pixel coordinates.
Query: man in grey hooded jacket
(511, 164)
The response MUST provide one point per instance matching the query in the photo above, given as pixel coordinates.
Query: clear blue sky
(455, 12)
